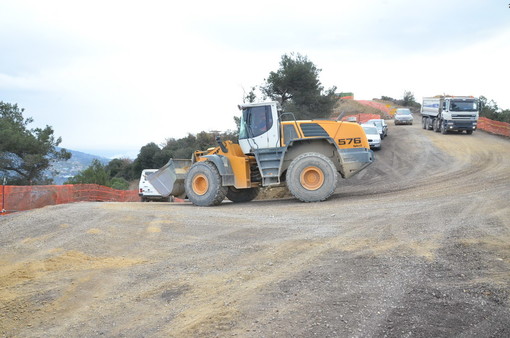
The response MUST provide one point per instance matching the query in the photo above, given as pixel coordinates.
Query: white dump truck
(444, 113)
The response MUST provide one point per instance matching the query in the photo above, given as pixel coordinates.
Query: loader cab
(259, 126)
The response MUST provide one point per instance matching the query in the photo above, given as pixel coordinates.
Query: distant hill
(78, 162)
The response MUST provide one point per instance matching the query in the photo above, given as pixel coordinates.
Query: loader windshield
(255, 121)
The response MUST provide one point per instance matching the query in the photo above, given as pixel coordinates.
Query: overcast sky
(112, 76)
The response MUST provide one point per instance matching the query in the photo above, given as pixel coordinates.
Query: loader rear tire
(242, 195)
(312, 177)
(203, 184)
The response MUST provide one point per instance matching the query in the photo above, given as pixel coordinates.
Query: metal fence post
(3, 195)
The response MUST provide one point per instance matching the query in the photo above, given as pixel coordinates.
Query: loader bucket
(355, 160)
(169, 179)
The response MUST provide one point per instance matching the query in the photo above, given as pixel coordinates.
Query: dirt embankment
(416, 245)
(353, 107)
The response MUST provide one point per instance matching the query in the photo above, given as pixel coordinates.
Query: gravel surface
(417, 245)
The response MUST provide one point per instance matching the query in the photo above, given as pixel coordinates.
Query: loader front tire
(312, 177)
(242, 195)
(203, 184)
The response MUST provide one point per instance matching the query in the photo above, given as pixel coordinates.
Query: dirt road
(418, 245)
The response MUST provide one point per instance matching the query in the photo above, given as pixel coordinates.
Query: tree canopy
(149, 157)
(25, 154)
(152, 156)
(491, 110)
(120, 168)
(296, 86)
(98, 173)
(118, 172)
(408, 100)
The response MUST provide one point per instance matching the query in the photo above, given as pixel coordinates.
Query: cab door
(259, 127)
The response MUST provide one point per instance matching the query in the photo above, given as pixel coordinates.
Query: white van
(146, 191)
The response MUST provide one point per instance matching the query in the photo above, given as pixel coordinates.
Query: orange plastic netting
(18, 198)
(495, 127)
(361, 118)
(377, 105)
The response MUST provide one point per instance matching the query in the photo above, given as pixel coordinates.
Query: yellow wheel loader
(307, 156)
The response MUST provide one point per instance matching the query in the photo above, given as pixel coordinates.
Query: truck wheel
(424, 123)
(311, 177)
(242, 195)
(444, 130)
(430, 123)
(437, 125)
(469, 132)
(203, 184)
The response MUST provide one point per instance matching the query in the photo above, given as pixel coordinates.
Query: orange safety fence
(361, 118)
(19, 198)
(377, 105)
(495, 127)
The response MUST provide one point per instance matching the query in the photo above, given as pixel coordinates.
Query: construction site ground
(417, 245)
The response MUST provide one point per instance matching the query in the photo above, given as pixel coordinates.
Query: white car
(373, 136)
(381, 126)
